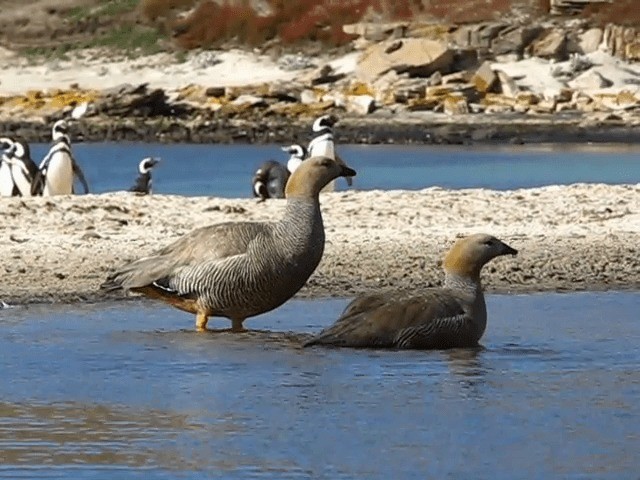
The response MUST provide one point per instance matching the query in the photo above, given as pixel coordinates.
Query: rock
(214, 91)
(325, 74)
(415, 56)
(435, 79)
(514, 40)
(618, 37)
(308, 96)
(484, 78)
(374, 31)
(623, 100)
(249, 100)
(508, 85)
(360, 104)
(590, 40)
(455, 105)
(477, 35)
(632, 51)
(297, 61)
(551, 45)
(590, 80)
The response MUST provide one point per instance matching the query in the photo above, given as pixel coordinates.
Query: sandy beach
(570, 238)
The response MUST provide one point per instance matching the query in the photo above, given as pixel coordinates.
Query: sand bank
(570, 237)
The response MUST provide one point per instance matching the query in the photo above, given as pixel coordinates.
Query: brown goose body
(454, 316)
(240, 269)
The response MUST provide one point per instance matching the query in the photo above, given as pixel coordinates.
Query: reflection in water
(132, 393)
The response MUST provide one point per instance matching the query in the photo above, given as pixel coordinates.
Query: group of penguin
(21, 177)
(270, 179)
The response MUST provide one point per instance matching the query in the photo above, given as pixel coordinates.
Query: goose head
(469, 254)
(313, 175)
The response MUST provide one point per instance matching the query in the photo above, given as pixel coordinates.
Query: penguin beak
(285, 149)
(154, 161)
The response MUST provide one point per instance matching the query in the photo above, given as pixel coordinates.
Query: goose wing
(203, 246)
(429, 320)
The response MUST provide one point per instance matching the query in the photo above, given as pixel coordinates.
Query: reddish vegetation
(295, 21)
(622, 12)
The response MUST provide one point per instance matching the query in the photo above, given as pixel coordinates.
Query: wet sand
(570, 238)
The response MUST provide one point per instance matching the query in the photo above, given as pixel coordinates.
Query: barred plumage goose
(454, 316)
(240, 269)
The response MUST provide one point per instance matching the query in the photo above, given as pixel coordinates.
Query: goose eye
(488, 243)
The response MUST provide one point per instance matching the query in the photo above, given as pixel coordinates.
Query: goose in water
(240, 269)
(7, 185)
(270, 179)
(23, 168)
(58, 168)
(144, 182)
(323, 143)
(454, 316)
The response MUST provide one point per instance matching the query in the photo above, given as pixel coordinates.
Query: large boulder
(514, 40)
(590, 40)
(551, 45)
(590, 80)
(416, 56)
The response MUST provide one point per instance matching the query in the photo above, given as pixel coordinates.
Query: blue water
(226, 170)
(129, 390)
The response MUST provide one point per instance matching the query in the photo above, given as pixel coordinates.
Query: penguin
(23, 168)
(143, 182)
(270, 180)
(297, 154)
(58, 168)
(322, 144)
(7, 185)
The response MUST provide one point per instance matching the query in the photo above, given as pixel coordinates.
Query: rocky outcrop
(414, 56)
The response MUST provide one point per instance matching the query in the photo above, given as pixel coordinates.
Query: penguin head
(60, 129)
(147, 164)
(324, 122)
(21, 150)
(6, 143)
(296, 151)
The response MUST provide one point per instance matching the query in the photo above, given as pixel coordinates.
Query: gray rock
(590, 80)
(415, 56)
(297, 61)
(508, 85)
(514, 40)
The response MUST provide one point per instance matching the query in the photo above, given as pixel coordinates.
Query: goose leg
(236, 325)
(201, 321)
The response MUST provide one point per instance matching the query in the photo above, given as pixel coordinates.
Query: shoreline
(570, 238)
(387, 129)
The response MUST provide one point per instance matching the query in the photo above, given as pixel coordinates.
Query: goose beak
(347, 172)
(507, 250)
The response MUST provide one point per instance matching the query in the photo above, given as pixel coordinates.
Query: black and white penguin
(297, 153)
(58, 168)
(23, 168)
(322, 143)
(143, 183)
(7, 185)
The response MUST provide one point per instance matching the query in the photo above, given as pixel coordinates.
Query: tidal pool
(129, 390)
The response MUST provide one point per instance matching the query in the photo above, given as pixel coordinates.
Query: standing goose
(240, 269)
(58, 168)
(23, 168)
(454, 316)
(144, 183)
(7, 185)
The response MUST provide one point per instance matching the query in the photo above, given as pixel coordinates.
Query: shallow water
(128, 390)
(226, 170)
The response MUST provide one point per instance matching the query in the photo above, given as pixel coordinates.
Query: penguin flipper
(78, 173)
(37, 184)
